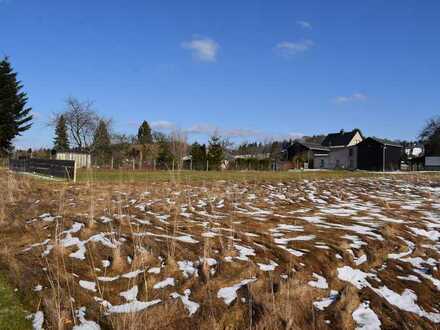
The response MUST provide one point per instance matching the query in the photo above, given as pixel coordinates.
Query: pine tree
(15, 117)
(144, 133)
(102, 143)
(198, 154)
(215, 152)
(164, 155)
(61, 140)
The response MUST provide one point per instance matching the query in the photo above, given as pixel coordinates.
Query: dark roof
(313, 146)
(340, 139)
(386, 142)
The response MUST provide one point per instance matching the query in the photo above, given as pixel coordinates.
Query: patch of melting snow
(411, 278)
(354, 276)
(433, 235)
(229, 294)
(357, 243)
(154, 270)
(131, 307)
(287, 227)
(339, 212)
(130, 294)
(191, 306)
(268, 267)
(313, 219)
(46, 251)
(296, 253)
(366, 318)
(132, 274)
(320, 283)
(88, 285)
(327, 301)
(244, 252)
(105, 219)
(187, 267)
(406, 302)
(169, 281)
(84, 324)
(182, 238)
(360, 260)
(38, 320)
(47, 217)
(423, 274)
(209, 261)
(209, 234)
(411, 247)
(108, 279)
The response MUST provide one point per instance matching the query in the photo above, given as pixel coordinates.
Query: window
(338, 164)
(322, 163)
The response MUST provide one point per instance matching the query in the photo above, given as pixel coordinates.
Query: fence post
(74, 171)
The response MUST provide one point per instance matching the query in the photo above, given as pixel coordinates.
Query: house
(302, 154)
(375, 154)
(343, 151)
(415, 156)
(343, 139)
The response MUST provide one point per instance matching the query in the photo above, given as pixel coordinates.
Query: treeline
(79, 128)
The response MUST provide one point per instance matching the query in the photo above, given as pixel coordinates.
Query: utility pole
(384, 148)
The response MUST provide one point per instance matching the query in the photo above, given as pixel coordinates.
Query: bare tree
(179, 146)
(81, 121)
(430, 136)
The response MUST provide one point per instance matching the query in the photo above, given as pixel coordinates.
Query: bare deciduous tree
(179, 146)
(430, 135)
(81, 121)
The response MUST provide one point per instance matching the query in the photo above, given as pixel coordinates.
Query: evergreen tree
(164, 154)
(15, 117)
(198, 154)
(215, 152)
(144, 134)
(61, 141)
(102, 143)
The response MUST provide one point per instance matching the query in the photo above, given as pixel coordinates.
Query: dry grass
(153, 224)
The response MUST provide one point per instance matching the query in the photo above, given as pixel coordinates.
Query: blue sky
(251, 69)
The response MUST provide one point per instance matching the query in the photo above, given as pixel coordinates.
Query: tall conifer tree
(15, 117)
(61, 140)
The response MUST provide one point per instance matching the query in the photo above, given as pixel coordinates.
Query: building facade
(379, 155)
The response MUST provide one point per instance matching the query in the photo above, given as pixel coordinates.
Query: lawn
(12, 314)
(200, 176)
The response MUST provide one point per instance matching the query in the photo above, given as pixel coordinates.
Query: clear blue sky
(248, 68)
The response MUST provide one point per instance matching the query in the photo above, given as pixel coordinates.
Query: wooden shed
(301, 153)
(378, 155)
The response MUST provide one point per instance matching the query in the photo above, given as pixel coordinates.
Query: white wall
(81, 160)
(341, 158)
(355, 140)
(432, 161)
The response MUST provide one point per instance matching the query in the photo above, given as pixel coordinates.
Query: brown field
(322, 252)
